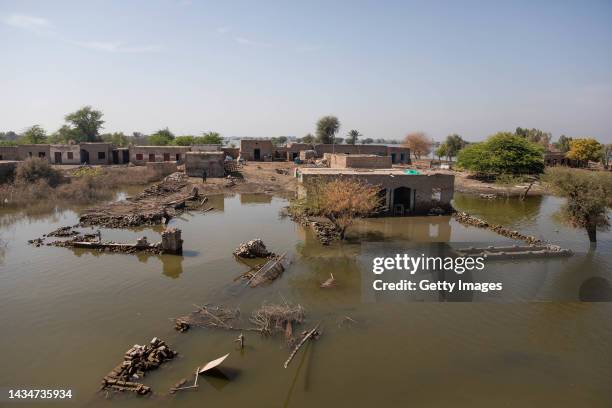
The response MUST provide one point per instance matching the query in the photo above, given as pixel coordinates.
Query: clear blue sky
(258, 68)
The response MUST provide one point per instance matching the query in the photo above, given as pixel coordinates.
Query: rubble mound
(254, 248)
(136, 361)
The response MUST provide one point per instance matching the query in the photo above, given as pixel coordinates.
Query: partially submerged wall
(402, 194)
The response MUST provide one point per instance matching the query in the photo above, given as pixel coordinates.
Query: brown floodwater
(67, 316)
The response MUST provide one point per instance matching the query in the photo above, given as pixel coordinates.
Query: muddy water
(67, 316)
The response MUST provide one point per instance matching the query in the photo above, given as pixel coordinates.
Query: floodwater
(67, 316)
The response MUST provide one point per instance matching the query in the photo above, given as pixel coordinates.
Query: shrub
(34, 169)
(339, 200)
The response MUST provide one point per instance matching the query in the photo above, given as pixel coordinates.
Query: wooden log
(300, 344)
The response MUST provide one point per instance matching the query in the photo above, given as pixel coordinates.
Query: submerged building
(402, 193)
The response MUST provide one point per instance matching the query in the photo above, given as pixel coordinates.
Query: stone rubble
(254, 248)
(136, 362)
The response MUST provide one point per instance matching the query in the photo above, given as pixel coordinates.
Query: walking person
(204, 176)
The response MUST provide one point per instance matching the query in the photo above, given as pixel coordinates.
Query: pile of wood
(267, 272)
(136, 361)
(211, 316)
(271, 318)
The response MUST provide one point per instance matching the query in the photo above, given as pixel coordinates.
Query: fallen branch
(308, 335)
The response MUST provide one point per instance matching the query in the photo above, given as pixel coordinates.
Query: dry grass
(36, 181)
(271, 318)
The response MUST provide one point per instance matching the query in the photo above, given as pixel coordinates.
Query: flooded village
(305, 204)
(214, 263)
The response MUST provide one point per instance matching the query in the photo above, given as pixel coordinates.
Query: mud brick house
(26, 151)
(198, 162)
(65, 154)
(401, 193)
(9, 153)
(140, 155)
(256, 149)
(359, 161)
(398, 154)
(95, 153)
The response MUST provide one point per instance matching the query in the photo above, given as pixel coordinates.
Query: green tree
(454, 143)
(34, 135)
(117, 139)
(588, 195)
(327, 127)
(367, 140)
(210, 138)
(309, 138)
(65, 134)
(563, 144)
(534, 136)
(585, 150)
(184, 140)
(503, 153)
(162, 137)
(279, 141)
(442, 151)
(352, 136)
(87, 121)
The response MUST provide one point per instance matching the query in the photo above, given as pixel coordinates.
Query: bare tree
(418, 143)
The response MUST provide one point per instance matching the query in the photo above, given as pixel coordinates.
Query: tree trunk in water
(592, 231)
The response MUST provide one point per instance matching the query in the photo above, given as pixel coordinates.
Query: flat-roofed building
(140, 155)
(401, 193)
(65, 154)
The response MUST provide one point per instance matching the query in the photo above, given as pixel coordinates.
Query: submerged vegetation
(341, 201)
(35, 179)
(588, 194)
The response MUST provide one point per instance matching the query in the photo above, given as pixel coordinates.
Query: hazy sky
(258, 68)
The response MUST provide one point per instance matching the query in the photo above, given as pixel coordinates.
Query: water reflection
(505, 211)
(255, 198)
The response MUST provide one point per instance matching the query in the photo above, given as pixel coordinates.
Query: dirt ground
(467, 185)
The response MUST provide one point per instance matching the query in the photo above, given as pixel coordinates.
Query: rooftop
(353, 171)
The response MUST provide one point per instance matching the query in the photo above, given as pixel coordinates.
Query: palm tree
(352, 136)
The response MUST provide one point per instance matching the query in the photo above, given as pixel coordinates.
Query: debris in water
(329, 283)
(254, 248)
(212, 364)
(136, 361)
(272, 318)
(314, 334)
(267, 272)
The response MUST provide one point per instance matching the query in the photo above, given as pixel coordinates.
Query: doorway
(257, 154)
(84, 156)
(58, 157)
(402, 200)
